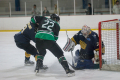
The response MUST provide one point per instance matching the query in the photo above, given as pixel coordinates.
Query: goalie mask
(85, 31)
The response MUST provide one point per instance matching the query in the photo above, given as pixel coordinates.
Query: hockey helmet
(55, 17)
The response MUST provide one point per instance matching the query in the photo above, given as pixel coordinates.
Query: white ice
(12, 63)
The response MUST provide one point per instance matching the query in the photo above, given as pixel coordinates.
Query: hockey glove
(96, 56)
(69, 46)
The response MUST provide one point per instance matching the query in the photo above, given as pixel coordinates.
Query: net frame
(108, 67)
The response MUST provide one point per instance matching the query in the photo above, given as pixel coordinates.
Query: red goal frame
(100, 41)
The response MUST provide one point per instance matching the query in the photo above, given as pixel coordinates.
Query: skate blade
(70, 74)
(37, 71)
(28, 64)
(44, 68)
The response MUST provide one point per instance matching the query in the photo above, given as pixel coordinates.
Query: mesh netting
(110, 36)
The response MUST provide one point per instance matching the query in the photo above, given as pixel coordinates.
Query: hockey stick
(75, 64)
(74, 67)
(67, 34)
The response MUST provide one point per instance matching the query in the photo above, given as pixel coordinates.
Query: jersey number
(48, 25)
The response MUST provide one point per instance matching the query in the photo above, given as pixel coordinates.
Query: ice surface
(12, 63)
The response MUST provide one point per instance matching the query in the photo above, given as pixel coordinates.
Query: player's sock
(36, 58)
(64, 64)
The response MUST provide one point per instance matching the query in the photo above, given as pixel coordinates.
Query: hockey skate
(70, 72)
(29, 62)
(44, 67)
(39, 65)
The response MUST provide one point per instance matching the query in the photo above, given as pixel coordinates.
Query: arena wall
(66, 22)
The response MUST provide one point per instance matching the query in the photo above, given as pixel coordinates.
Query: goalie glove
(96, 57)
(69, 46)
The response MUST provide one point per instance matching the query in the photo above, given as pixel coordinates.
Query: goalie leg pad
(83, 64)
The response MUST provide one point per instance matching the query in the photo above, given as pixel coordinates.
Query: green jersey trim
(32, 19)
(45, 35)
(56, 38)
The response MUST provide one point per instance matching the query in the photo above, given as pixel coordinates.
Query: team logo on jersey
(83, 44)
(80, 34)
(94, 35)
(88, 39)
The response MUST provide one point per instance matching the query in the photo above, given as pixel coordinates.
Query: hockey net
(110, 35)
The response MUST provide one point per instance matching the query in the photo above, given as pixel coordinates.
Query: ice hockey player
(89, 42)
(22, 40)
(46, 37)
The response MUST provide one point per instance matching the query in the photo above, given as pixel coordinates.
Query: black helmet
(55, 17)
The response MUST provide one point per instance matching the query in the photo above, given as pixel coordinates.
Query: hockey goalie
(88, 54)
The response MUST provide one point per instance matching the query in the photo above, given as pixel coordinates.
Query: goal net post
(109, 34)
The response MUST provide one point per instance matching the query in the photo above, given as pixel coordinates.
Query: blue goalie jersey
(89, 44)
(84, 57)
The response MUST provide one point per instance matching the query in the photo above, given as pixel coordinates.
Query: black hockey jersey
(47, 29)
(89, 44)
(26, 34)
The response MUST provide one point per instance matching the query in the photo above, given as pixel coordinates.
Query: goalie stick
(74, 67)
(75, 64)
